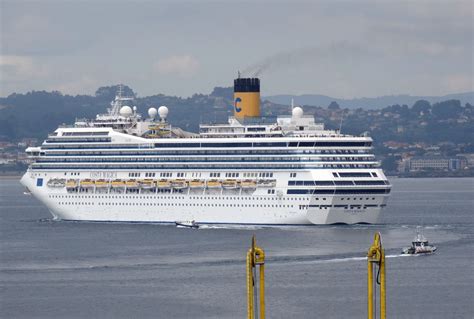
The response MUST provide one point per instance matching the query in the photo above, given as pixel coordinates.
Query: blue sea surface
(52, 269)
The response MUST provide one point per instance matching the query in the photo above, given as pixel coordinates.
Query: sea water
(53, 269)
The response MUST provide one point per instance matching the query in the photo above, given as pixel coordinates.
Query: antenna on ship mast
(117, 103)
(120, 91)
(340, 124)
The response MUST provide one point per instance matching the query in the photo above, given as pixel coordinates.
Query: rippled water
(101, 270)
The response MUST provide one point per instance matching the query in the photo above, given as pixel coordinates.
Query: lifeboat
(214, 183)
(196, 183)
(266, 183)
(248, 183)
(131, 183)
(56, 182)
(118, 183)
(101, 183)
(86, 183)
(163, 183)
(146, 183)
(230, 184)
(71, 183)
(179, 184)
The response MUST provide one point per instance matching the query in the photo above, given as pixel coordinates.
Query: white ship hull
(206, 207)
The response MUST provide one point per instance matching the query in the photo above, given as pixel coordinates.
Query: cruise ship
(287, 170)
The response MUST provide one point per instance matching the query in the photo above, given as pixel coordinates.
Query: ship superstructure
(287, 170)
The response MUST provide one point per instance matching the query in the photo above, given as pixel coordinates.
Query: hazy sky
(338, 48)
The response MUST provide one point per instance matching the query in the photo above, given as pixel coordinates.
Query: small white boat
(248, 183)
(179, 184)
(196, 183)
(146, 183)
(419, 245)
(213, 183)
(56, 182)
(187, 224)
(266, 183)
(230, 184)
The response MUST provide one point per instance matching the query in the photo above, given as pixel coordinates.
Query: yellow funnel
(246, 97)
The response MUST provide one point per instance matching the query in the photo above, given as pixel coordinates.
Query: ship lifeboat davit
(118, 183)
(71, 184)
(163, 183)
(87, 183)
(101, 183)
(213, 183)
(179, 184)
(248, 184)
(146, 183)
(196, 183)
(56, 182)
(131, 183)
(230, 184)
(266, 183)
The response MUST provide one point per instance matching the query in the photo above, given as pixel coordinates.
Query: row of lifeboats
(163, 183)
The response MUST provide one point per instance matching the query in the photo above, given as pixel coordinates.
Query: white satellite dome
(297, 112)
(126, 111)
(163, 112)
(152, 112)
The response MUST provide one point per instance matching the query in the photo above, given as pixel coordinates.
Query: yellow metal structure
(255, 257)
(376, 257)
(246, 104)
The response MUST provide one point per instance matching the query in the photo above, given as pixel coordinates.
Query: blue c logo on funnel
(236, 101)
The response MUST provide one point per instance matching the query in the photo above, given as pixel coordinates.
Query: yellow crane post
(255, 257)
(376, 256)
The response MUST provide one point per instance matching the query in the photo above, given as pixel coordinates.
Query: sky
(343, 49)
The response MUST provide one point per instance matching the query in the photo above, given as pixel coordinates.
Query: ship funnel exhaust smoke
(300, 57)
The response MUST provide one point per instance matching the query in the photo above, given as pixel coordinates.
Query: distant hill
(391, 118)
(367, 102)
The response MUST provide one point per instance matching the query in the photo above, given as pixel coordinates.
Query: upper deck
(126, 120)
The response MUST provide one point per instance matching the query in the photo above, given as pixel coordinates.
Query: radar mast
(117, 104)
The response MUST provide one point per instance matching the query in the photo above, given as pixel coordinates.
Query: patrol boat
(419, 245)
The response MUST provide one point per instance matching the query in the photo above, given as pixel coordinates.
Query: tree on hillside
(226, 93)
(333, 106)
(447, 109)
(421, 106)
